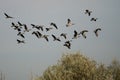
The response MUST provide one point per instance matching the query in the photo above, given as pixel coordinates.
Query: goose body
(48, 29)
(93, 19)
(67, 44)
(83, 33)
(36, 34)
(55, 38)
(69, 23)
(20, 41)
(20, 24)
(26, 28)
(88, 12)
(64, 35)
(46, 37)
(96, 31)
(7, 16)
(20, 34)
(76, 35)
(53, 24)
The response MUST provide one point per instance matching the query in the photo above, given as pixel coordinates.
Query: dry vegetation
(78, 67)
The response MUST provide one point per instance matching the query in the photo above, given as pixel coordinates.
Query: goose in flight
(76, 35)
(93, 19)
(69, 23)
(53, 24)
(96, 31)
(36, 34)
(7, 16)
(26, 28)
(64, 35)
(88, 12)
(46, 37)
(55, 38)
(20, 41)
(48, 29)
(20, 34)
(67, 44)
(83, 33)
(40, 27)
(20, 24)
(13, 24)
(37, 27)
(39, 34)
(33, 25)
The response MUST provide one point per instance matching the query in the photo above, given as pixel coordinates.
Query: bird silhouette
(36, 34)
(96, 31)
(20, 34)
(88, 12)
(13, 24)
(37, 27)
(39, 34)
(55, 38)
(33, 25)
(40, 27)
(48, 29)
(46, 37)
(76, 35)
(53, 24)
(20, 24)
(93, 19)
(26, 28)
(64, 35)
(7, 16)
(20, 41)
(83, 33)
(69, 23)
(67, 44)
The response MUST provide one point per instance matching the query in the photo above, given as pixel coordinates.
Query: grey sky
(17, 61)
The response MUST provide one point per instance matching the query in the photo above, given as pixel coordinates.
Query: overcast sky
(17, 61)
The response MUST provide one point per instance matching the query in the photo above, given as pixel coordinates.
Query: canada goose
(40, 27)
(36, 34)
(20, 41)
(64, 35)
(13, 24)
(7, 16)
(75, 35)
(88, 12)
(55, 38)
(67, 44)
(93, 19)
(26, 28)
(20, 24)
(96, 31)
(69, 23)
(40, 35)
(53, 24)
(37, 27)
(46, 37)
(20, 34)
(83, 33)
(33, 25)
(48, 29)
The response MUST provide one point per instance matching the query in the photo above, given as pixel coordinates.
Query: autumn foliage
(75, 66)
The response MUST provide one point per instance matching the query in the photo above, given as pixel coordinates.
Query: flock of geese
(22, 29)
